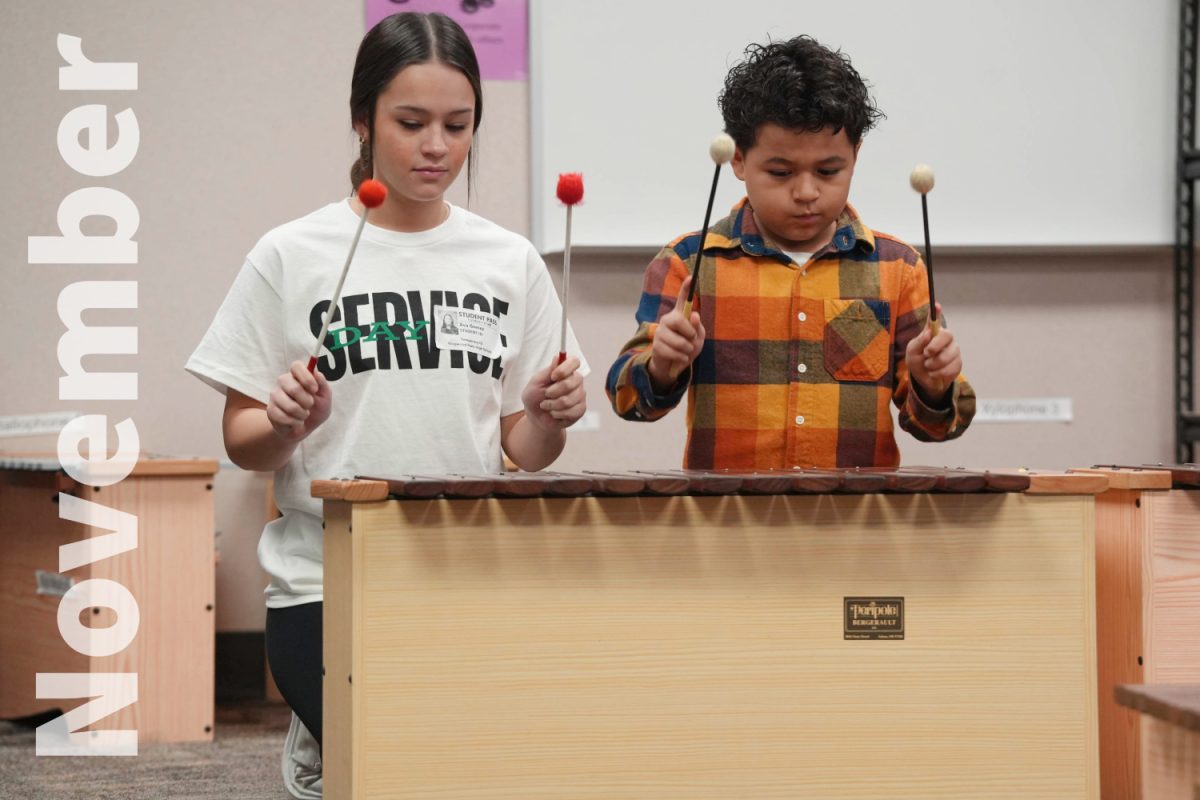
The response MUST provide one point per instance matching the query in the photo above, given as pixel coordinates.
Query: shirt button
(802, 316)
(799, 420)
(802, 368)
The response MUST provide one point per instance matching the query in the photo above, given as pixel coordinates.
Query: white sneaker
(301, 762)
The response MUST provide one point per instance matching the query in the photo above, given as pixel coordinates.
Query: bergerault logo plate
(874, 618)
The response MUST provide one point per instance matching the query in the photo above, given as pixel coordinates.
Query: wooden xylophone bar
(1183, 476)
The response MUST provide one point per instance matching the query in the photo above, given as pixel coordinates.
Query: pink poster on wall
(499, 30)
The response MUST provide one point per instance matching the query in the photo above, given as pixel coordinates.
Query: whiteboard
(1047, 122)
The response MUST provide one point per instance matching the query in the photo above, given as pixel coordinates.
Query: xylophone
(909, 633)
(171, 574)
(1170, 717)
(1147, 605)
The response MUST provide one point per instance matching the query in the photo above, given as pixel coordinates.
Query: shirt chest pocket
(857, 343)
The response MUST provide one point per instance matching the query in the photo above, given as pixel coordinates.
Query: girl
(387, 397)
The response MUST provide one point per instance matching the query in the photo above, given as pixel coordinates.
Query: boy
(808, 322)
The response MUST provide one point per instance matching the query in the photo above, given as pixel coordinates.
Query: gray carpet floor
(241, 763)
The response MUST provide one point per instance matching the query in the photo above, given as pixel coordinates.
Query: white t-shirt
(434, 338)
(797, 256)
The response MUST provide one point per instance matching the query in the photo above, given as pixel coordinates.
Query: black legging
(294, 653)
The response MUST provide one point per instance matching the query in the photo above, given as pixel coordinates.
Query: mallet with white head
(921, 181)
(371, 193)
(721, 151)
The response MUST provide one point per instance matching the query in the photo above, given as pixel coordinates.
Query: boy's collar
(743, 233)
(851, 232)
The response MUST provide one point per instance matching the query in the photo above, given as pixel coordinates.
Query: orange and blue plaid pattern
(800, 361)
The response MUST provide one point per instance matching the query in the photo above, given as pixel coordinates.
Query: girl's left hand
(554, 398)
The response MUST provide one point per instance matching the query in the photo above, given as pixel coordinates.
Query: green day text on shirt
(396, 330)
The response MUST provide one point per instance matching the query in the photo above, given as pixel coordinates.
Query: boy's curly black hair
(799, 85)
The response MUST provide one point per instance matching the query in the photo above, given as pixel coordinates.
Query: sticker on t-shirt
(463, 329)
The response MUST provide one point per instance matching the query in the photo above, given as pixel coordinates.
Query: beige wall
(242, 111)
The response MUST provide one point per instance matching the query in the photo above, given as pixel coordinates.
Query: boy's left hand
(554, 398)
(933, 363)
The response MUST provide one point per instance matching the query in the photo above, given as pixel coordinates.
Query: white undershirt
(800, 258)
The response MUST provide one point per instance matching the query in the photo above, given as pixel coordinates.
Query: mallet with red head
(371, 193)
(570, 192)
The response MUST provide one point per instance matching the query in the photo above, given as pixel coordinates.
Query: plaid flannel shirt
(800, 361)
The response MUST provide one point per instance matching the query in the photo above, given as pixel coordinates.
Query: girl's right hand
(300, 402)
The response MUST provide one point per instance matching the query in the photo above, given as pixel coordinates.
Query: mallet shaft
(933, 320)
(712, 194)
(562, 342)
(337, 293)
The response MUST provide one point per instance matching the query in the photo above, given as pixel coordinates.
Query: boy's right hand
(677, 342)
(300, 402)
